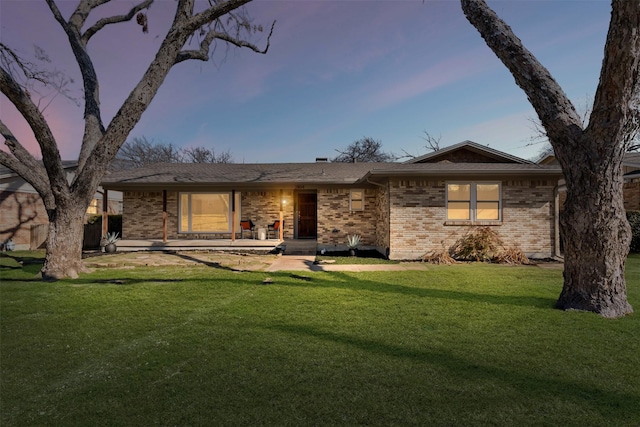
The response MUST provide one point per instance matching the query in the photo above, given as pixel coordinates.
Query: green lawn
(470, 344)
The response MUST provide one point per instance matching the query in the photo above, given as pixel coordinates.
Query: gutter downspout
(556, 222)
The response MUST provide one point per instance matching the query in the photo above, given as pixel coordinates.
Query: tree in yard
(363, 150)
(66, 203)
(596, 232)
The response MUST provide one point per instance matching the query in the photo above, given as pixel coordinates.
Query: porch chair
(246, 225)
(275, 228)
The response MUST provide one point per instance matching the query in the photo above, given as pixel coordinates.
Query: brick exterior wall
(263, 208)
(18, 212)
(382, 213)
(418, 218)
(632, 196)
(406, 217)
(142, 214)
(336, 221)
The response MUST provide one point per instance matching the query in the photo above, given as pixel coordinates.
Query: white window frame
(473, 202)
(188, 229)
(352, 199)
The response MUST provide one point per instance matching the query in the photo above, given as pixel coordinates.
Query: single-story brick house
(403, 210)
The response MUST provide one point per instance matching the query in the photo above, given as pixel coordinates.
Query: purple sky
(336, 71)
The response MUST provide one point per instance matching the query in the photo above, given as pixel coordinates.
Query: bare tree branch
(21, 100)
(211, 14)
(621, 64)
(93, 129)
(80, 15)
(432, 143)
(16, 66)
(114, 20)
(203, 53)
(25, 165)
(554, 108)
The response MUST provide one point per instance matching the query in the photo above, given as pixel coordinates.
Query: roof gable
(468, 152)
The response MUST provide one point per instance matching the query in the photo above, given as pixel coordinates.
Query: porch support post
(105, 212)
(164, 216)
(233, 215)
(281, 228)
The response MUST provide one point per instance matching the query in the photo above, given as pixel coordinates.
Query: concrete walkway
(306, 263)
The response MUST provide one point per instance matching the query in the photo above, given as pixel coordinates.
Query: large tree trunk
(596, 236)
(64, 243)
(595, 230)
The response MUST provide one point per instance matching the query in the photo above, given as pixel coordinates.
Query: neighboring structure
(23, 218)
(631, 186)
(402, 209)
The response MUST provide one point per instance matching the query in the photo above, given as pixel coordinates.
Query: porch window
(92, 209)
(207, 212)
(470, 201)
(356, 200)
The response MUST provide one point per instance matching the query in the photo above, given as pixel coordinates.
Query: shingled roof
(176, 174)
(266, 174)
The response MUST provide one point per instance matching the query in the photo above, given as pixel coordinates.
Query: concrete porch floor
(289, 246)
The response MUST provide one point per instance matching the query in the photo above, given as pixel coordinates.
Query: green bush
(634, 220)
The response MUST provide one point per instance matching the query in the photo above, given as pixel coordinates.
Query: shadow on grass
(349, 283)
(611, 404)
(21, 260)
(200, 261)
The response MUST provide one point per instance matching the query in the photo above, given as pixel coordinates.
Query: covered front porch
(287, 246)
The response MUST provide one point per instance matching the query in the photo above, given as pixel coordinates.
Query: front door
(307, 216)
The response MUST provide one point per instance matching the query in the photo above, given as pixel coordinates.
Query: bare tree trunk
(64, 243)
(595, 230)
(597, 237)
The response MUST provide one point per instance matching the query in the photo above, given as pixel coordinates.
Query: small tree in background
(141, 152)
(364, 150)
(204, 155)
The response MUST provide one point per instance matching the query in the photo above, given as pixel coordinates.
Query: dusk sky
(336, 71)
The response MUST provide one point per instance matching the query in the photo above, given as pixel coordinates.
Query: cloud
(441, 74)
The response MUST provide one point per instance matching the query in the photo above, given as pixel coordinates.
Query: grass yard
(471, 344)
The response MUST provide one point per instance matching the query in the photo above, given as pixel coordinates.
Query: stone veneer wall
(20, 210)
(418, 218)
(336, 221)
(142, 214)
